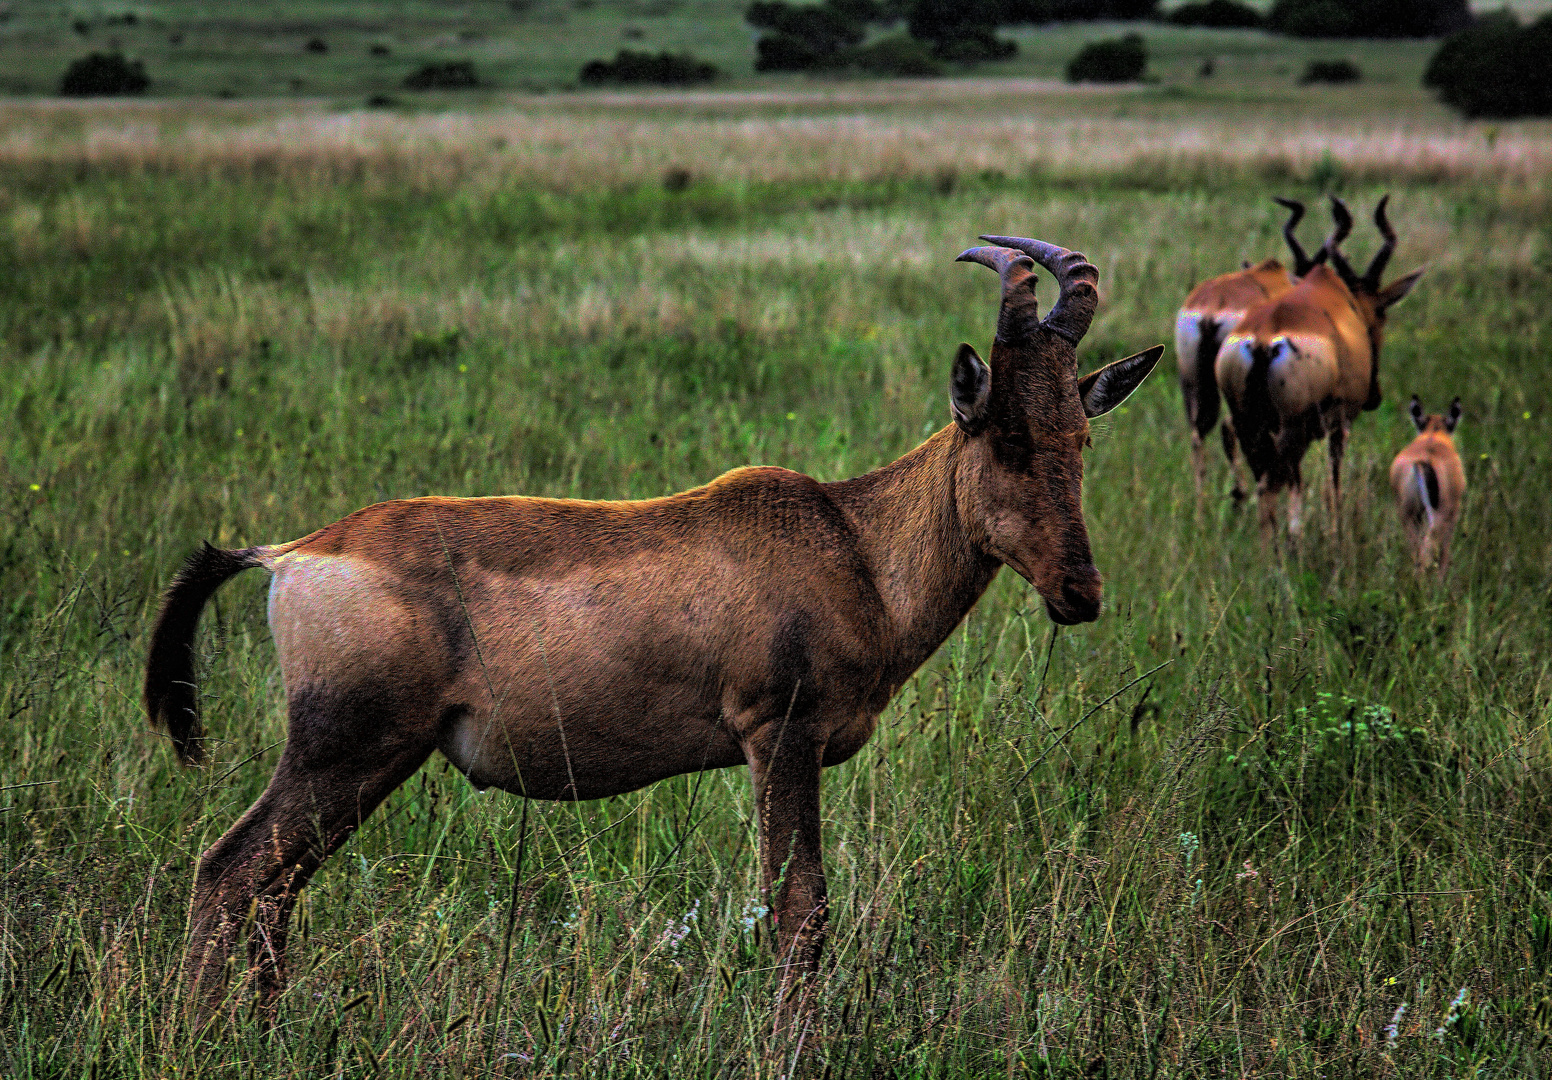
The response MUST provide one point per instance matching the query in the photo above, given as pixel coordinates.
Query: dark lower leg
(256, 870)
(785, 771)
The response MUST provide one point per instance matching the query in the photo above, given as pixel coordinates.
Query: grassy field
(196, 48)
(1278, 813)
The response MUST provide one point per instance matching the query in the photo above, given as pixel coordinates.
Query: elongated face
(1027, 419)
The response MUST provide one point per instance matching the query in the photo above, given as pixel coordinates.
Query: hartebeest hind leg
(784, 766)
(1226, 429)
(332, 775)
(1336, 443)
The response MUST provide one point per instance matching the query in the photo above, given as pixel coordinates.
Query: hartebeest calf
(1209, 313)
(561, 649)
(1430, 485)
(1302, 366)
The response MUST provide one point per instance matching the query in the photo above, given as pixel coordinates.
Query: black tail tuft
(171, 697)
(1209, 340)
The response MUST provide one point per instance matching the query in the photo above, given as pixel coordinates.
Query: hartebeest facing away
(561, 649)
(1430, 485)
(1209, 313)
(1302, 366)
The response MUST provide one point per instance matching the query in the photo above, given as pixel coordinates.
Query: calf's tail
(1427, 490)
(171, 696)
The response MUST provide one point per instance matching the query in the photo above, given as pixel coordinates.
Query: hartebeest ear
(1112, 384)
(1415, 411)
(1396, 290)
(970, 388)
(1452, 417)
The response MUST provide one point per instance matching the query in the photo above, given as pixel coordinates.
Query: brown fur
(1210, 312)
(1430, 485)
(564, 649)
(1301, 366)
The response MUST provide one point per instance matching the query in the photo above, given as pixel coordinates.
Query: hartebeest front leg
(784, 766)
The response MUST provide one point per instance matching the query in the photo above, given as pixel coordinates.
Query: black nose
(1081, 592)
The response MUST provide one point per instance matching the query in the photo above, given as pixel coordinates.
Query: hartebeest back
(1302, 366)
(1430, 485)
(1209, 313)
(562, 649)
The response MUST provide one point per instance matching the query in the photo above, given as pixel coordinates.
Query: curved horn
(1331, 249)
(1371, 276)
(1002, 260)
(1302, 263)
(1077, 282)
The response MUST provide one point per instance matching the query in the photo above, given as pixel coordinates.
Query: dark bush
(1496, 68)
(808, 37)
(824, 28)
(1368, 18)
(1330, 71)
(1042, 11)
(379, 49)
(783, 52)
(316, 45)
(1116, 60)
(104, 75)
(447, 75)
(898, 55)
(960, 30)
(637, 68)
(1219, 13)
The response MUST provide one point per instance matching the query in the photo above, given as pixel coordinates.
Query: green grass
(1056, 858)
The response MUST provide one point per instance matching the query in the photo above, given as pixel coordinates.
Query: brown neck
(927, 563)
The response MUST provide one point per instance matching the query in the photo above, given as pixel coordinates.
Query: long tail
(1209, 340)
(1427, 490)
(171, 696)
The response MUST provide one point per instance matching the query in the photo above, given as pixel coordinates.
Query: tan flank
(562, 649)
(1302, 366)
(1430, 486)
(1210, 312)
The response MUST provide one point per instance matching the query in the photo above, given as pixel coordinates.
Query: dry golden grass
(866, 132)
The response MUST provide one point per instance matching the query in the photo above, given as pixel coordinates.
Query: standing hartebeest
(1430, 485)
(562, 649)
(1302, 366)
(1209, 313)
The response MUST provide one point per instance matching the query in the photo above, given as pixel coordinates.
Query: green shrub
(898, 55)
(1496, 68)
(1330, 71)
(1217, 13)
(1116, 60)
(804, 37)
(104, 75)
(1043, 11)
(1368, 18)
(448, 75)
(641, 68)
(964, 31)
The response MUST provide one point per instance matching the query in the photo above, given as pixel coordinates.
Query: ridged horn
(1302, 263)
(1371, 276)
(1332, 248)
(1005, 261)
(1077, 282)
